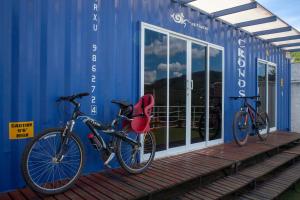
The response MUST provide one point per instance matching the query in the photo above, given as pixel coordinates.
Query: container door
(198, 93)
(267, 90)
(215, 107)
(206, 95)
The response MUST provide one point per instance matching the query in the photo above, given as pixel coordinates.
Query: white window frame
(268, 63)
(188, 147)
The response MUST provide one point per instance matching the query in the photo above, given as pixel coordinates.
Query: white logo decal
(180, 19)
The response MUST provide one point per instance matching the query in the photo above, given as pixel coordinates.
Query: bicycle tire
(26, 154)
(123, 163)
(264, 118)
(237, 128)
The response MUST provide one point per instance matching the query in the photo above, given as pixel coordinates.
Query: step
(275, 186)
(230, 184)
(268, 165)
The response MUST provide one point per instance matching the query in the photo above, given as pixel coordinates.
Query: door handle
(192, 84)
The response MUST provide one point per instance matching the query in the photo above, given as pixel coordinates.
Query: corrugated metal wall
(46, 51)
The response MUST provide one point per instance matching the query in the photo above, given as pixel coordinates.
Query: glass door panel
(215, 93)
(198, 97)
(262, 82)
(177, 91)
(155, 82)
(267, 82)
(272, 95)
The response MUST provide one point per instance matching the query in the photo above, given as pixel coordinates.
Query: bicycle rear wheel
(129, 155)
(241, 127)
(262, 125)
(41, 168)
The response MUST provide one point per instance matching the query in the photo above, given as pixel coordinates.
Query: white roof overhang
(251, 17)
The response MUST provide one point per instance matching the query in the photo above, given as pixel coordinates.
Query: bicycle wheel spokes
(45, 169)
(129, 154)
(262, 125)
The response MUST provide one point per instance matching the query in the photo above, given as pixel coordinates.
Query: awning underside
(252, 17)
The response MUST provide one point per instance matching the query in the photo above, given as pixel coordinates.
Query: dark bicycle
(54, 159)
(248, 119)
(215, 120)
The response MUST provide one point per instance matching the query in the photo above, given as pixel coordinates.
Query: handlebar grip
(80, 95)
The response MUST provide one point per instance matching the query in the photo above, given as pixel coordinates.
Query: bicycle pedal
(109, 159)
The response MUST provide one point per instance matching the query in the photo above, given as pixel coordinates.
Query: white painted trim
(207, 95)
(188, 94)
(182, 36)
(142, 70)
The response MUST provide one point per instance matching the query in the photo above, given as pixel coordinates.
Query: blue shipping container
(52, 48)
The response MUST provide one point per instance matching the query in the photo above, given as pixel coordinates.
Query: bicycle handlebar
(246, 97)
(73, 97)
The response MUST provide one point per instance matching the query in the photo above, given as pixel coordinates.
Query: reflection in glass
(155, 82)
(177, 92)
(262, 80)
(215, 94)
(198, 114)
(272, 95)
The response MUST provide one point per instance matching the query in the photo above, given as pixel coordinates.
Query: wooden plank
(16, 195)
(4, 196)
(61, 197)
(92, 188)
(106, 188)
(156, 186)
(139, 185)
(127, 188)
(71, 195)
(83, 194)
(29, 194)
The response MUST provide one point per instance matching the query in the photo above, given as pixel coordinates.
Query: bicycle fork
(65, 138)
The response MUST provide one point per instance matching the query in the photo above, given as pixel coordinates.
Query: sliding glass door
(186, 78)
(266, 89)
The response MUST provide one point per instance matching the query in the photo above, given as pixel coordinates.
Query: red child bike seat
(141, 116)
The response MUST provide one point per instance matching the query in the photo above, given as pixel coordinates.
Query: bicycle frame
(94, 126)
(250, 110)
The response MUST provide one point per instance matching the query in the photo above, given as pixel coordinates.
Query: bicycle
(248, 116)
(54, 159)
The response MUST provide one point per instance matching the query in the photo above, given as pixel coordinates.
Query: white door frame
(268, 63)
(189, 40)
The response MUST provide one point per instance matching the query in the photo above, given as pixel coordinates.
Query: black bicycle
(54, 159)
(248, 119)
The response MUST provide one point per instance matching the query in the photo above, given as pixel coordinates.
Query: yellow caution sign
(21, 130)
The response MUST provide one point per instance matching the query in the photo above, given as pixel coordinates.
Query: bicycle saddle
(121, 103)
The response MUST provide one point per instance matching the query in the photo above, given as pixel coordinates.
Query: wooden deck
(168, 175)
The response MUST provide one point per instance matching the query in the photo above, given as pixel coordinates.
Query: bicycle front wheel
(43, 170)
(241, 127)
(129, 155)
(262, 125)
